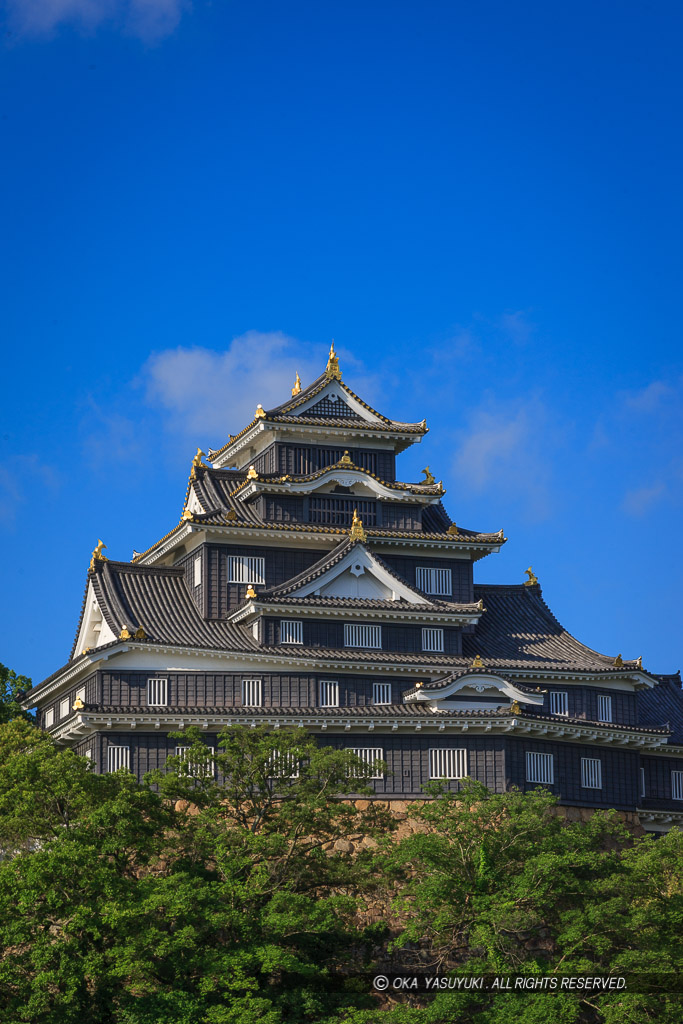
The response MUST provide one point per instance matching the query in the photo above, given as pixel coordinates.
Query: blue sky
(480, 202)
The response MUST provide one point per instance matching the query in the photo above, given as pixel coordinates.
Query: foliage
(12, 687)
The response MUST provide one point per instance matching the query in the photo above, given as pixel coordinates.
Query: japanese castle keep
(306, 585)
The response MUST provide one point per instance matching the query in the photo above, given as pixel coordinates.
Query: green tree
(12, 687)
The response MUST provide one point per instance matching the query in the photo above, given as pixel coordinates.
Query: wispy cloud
(149, 20)
(21, 476)
(641, 500)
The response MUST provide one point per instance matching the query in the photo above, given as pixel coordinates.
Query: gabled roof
(288, 483)
(520, 627)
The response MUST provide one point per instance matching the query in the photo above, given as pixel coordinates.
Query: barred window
(247, 569)
(291, 631)
(368, 756)
(432, 640)
(642, 782)
(677, 785)
(604, 708)
(283, 765)
(252, 693)
(49, 718)
(434, 581)
(204, 770)
(329, 693)
(362, 636)
(157, 692)
(559, 704)
(381, 693)
(80, 694)
(197, 571)
(64, 707)
(591, 773)
(445, 763)
(118, 757)
(539, 768)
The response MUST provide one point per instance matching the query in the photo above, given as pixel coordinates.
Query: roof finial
(618, 661)
(297, 385)
(357, 532)
(533, 578)
(429, 477)
(260, 413)
(477, 663)
(196, 461)
(332, 371)
(97, 555)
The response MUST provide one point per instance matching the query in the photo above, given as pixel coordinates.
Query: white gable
(94, 631)
(335, 393)
(358, 574)
(476, 692)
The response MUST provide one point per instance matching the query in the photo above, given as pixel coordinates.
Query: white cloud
(648, 399)
(147, 19)
(641, 500)
(19, 476)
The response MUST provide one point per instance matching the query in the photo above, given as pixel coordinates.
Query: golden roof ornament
(296, 390)
(477, 663)
(533, 578)
(77, 704)
(125, 633)
(260, 413)
(639, 661)
(251, 473)
(231, 514)
(187, 516)
(346, 458)
(140, 634)
(97, 555)
(480, 604)
(250, 591)
(357, 532)
(429, 477)
(332, 371)
(453, 530)
(418, 686)
(618, 661)
(196, 462)
(515, 709)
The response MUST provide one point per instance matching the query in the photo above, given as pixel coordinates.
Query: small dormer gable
(335, 401)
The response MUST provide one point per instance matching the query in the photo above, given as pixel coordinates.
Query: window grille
(432, 640)
(247, 569)
(642, 782)
(80, 694)
(447, 764)
(381, 693)
(205, 770)
(64, 707)
(291, 631)
(197, 571)
(434, 581)
(283, 765)
(157, 692)
(677, 785)
(604, 708)
(539, 768)
(118, 757)
(368, 460)
(362, 636)
(368, 756)
(591, 773)
(339, 511)
(559, 704)
(49, 718)
(332, 406)
(329, 693)
(252, 694)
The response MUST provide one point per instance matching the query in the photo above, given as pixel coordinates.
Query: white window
(381, 693)
(118, 757)
(80, 694)
(604, 708)
(368, 756)
(539, 768)
(329, 693)
(252, 694)
(434, 581)
(88, 754)
(559, 704)
(246, 569)
(642, 782)
(49, 718)
(198, 570)
(591, 773)
(362, 636)
(157, 692)
(64, 707)
(432, 640)
(447, 764)
(677, 785)
(291, 631)
(204, 771)
(284, 765)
